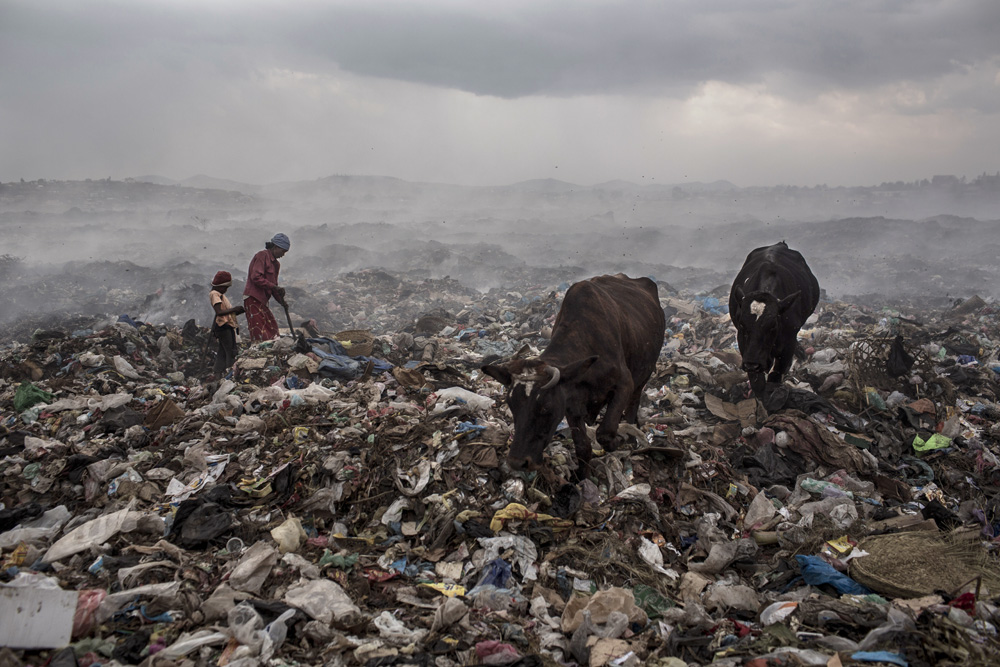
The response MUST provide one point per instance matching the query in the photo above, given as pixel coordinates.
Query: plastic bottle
(824, 489)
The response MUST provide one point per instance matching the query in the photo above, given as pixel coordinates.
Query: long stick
(288, 318)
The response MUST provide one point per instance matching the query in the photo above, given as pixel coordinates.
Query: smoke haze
(149, 249)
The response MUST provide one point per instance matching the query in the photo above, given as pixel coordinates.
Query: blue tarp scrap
(816, 572)
(469, 428)
(880, 656)
(469, 334)
(336, 363)
(712, 305)
(497, 574)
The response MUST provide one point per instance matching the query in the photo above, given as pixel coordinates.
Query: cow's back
(779, 270)
(607, 315)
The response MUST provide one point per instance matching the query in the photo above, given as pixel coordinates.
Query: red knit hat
(222, 279)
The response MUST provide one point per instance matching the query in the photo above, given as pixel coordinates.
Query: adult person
(262, 284)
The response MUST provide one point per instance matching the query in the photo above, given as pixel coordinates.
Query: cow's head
(537, 395)
(759, 316)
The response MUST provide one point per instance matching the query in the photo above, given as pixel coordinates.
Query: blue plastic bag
(816, 571)
(880, 656)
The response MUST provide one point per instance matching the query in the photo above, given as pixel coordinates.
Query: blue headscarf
(281, 241)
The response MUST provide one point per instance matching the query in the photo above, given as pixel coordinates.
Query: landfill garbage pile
(346, 501)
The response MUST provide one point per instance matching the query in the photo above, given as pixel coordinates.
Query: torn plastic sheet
(103, 403)
(395, 512)
(413, 481)
(324, 601)
(470, 398)
(37, 531)
(125, 368)
(652, 555)
(525, 552)
(100, 530)
(178, 491)
(115, 601)
(190, 642)
(254, 567)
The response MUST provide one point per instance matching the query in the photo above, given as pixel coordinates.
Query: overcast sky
(484, 92)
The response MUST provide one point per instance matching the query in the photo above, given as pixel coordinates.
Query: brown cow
(605, 343)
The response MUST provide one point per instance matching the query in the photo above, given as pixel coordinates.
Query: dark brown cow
(605, 343)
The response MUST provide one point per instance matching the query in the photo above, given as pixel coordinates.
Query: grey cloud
(514, 49)
(572, 48)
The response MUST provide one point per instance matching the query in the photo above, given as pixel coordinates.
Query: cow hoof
(610, 443)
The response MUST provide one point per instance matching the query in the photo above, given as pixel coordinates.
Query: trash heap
(345, 501)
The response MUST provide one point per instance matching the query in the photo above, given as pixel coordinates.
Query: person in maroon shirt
(262, 284)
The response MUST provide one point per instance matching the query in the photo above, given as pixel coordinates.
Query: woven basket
(867, 359)
(918, 563)
(357, 342)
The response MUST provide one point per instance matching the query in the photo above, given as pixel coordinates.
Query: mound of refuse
(347, 501)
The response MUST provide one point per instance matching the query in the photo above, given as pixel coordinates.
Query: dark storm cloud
(571, 48)
(486, 92)
(514, 49)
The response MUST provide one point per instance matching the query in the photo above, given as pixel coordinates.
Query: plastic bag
(277, 629)
(324, 601)
(125, 368)
(28, 395)
(900, 361)
(472, 399)
(244, 624)
(816, 571)
(85, 616)
(392, 630)
(896, 622)
(289, 535)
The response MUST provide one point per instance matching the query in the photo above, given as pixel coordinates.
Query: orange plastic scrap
(519, 511)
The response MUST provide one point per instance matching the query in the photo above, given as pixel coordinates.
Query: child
(224, 327)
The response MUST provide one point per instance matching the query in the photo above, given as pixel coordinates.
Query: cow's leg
(581, 443)
(632, 409)
(607, 431)
(782, 362)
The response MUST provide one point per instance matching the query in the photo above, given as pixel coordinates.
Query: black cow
(773, 295)
(604, 346)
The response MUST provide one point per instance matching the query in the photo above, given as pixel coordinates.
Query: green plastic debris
(338, 560)
(875, 400)
(28, 395)
(650, 601)
(936, 441)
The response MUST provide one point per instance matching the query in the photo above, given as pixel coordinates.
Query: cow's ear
(576, 369)
(738, 293)
(785, 303)
(498, 373)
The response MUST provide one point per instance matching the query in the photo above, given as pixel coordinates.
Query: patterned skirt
(260, 321)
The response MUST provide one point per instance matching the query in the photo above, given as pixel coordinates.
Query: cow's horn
(554, 373)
